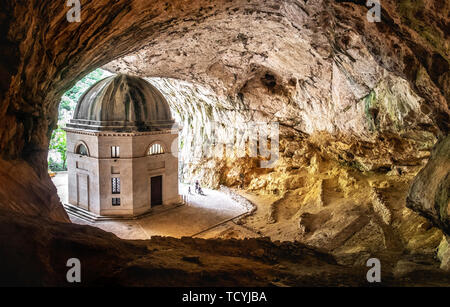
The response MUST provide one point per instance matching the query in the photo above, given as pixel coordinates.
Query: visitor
(200, 191)
(197, 187)
(241, 177)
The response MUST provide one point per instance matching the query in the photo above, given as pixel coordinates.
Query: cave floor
(217, 217)
(199, 214)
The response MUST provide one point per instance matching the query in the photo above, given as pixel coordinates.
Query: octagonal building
(122, 149)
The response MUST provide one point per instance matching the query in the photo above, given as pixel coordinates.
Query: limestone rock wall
(377, 91)
(355, 80)
(350, 76)
(275, 58)
(430, 191)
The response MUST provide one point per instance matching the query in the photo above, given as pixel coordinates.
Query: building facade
(122, 149)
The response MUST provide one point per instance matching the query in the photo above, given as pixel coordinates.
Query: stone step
(81, 213)
(92, 217)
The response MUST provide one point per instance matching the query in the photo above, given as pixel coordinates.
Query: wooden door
(156, 190)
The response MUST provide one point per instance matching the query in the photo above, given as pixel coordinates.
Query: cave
(361, 110)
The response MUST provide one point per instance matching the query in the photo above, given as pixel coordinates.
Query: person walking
(197, 187)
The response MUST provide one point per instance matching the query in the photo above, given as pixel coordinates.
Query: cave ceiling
(379, 90)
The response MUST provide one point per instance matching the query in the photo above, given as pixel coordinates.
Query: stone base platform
(92, 217)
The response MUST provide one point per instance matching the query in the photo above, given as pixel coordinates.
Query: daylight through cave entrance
(360, 154)
(98, 160)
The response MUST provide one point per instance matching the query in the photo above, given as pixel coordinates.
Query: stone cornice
(121, 134)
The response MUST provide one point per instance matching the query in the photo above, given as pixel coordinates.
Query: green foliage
(58, 144)
(55, 166)
(70, 98)
(66, 108)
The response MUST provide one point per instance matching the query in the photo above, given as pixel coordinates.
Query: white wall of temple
(145, 167)
(133, 166)
(83, 173)
(119, 167)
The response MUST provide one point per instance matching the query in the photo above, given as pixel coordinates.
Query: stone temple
(122, 149)
(363, 171)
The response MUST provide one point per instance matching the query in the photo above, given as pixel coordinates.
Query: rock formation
(356, 101)
(430, 191)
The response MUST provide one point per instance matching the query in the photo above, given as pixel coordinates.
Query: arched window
(82, 150)
(155, 149)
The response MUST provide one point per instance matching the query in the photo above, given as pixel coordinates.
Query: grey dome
(122, 103)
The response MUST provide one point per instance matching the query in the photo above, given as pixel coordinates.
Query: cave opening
(362, 137)
(77, 177)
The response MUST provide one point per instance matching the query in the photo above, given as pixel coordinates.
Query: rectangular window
(116, 201)
(115, 151)
(115, 185)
